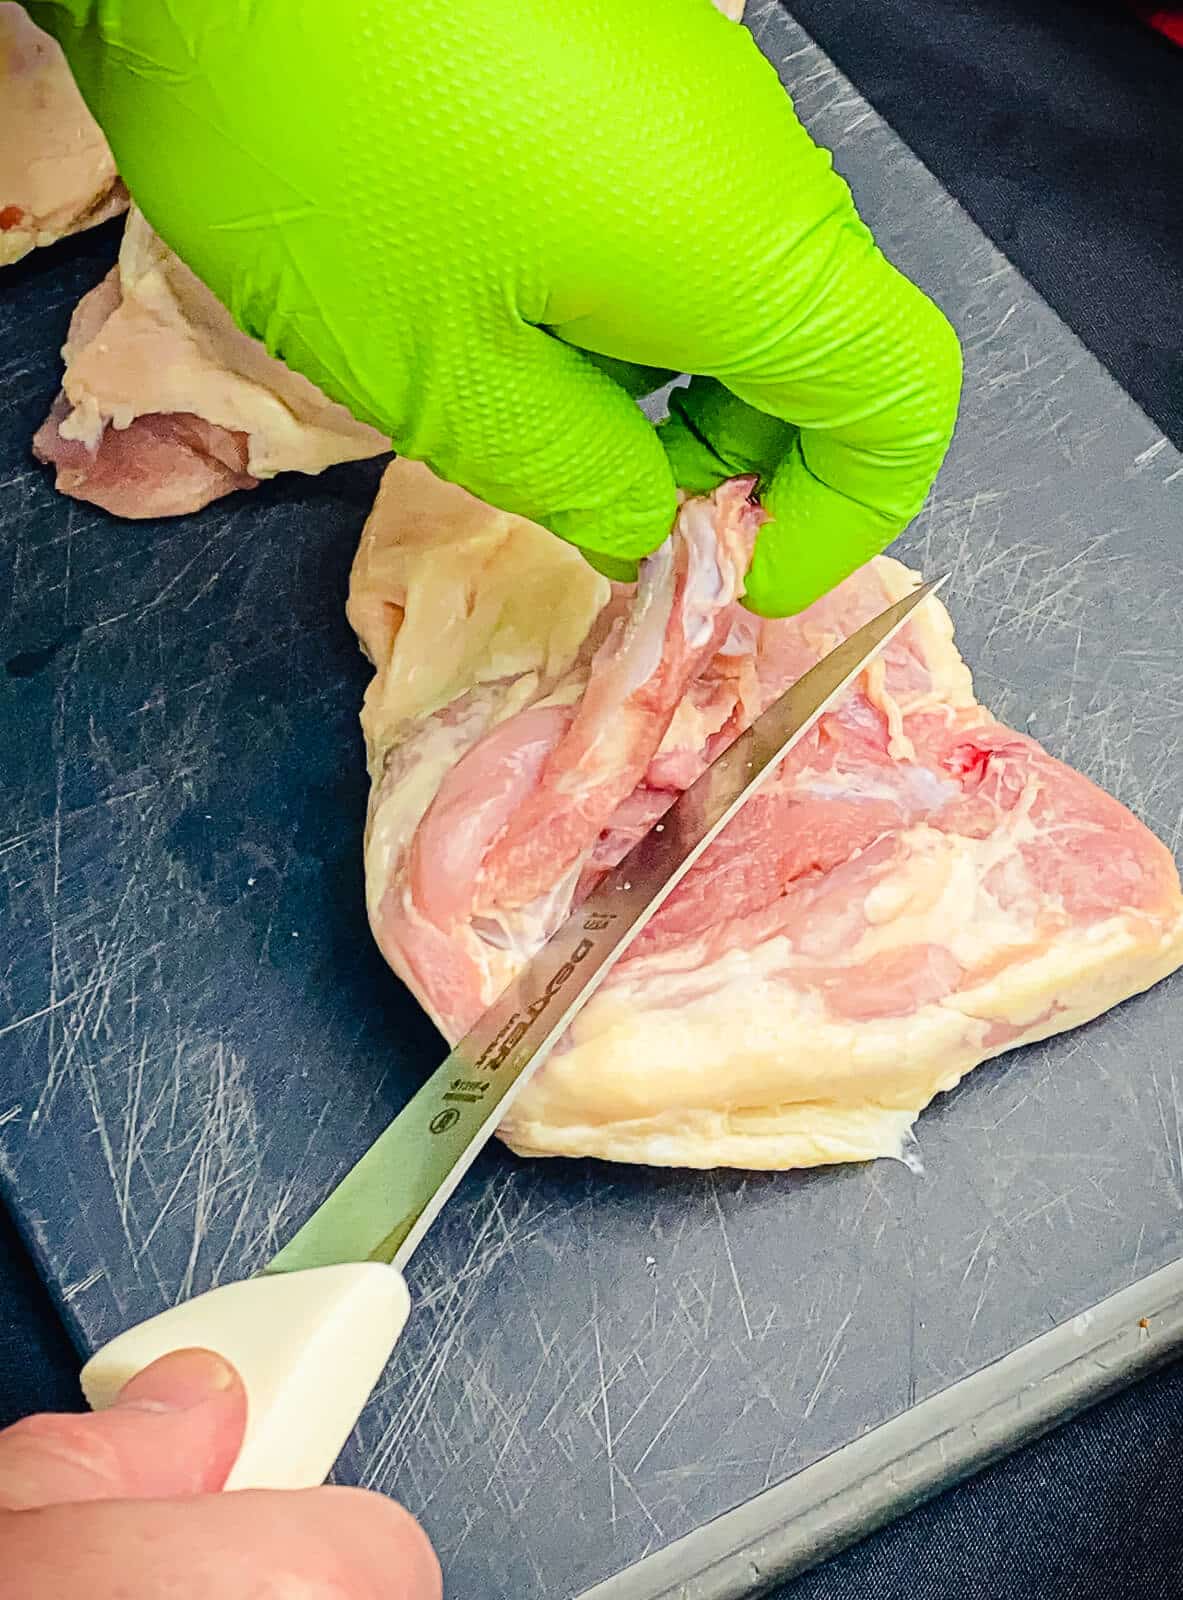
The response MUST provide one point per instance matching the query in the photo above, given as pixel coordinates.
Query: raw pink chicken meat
(918, 889)
(167, 405)
(57, 175)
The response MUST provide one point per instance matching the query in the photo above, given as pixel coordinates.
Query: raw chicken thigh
(918, 889)
(57, 175)
(166, 405)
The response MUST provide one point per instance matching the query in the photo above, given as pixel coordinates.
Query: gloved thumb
(536, 427)
(175, 1430)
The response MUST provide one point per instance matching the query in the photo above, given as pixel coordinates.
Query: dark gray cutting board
(198, 1037)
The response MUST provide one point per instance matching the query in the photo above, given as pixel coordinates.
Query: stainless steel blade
(382, 1208)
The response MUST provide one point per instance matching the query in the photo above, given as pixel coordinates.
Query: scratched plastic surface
(198, 1037)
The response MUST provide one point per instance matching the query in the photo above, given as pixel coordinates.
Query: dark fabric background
(1059, 126)
(37, 1364)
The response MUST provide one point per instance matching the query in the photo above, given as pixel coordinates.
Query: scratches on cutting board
(606, 1414)
(730, 1254)
(829, 1361)
(598, 1360)
(1144, 457)
(691, 1390)
(1170, 1122)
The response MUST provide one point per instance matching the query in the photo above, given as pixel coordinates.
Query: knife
(311, 1334)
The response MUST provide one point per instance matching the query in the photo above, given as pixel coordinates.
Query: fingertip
(611, 567)
(765, 587)
(773, 586)
(561, 442)
(624, 527)
(181, 1380)
(790, 570)
(198, 1405)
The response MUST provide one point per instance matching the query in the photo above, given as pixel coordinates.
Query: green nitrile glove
(435, 212)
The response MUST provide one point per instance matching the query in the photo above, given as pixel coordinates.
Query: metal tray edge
(978, 1420)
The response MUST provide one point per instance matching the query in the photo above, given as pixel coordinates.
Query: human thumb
(174, 1430)
(535, 427)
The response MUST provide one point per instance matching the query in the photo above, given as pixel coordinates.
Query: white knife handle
(309, 1347)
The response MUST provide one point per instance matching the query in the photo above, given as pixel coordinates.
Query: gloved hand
(120, 1506)
(484, 225)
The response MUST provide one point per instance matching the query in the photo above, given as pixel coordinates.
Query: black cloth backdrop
(1058, 125)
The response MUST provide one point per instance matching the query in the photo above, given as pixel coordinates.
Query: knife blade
(382, 1208)
(312, 1333)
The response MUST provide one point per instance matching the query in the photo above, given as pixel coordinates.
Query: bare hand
(123, 1506)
